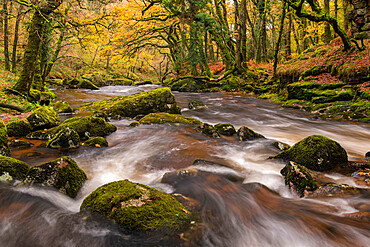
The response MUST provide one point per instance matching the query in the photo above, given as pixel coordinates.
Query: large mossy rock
(225, 129)
(4, 148)
(317, 153)
(157, 100)
(162, 117)
(18, 128)
(247, 134)
(66, 138)
(298, 178)
(137, 207)
(86, 84)
(12, 169)
(62, 107)
(43, 118)
(86, 127)
(96, 142)
(63, 174)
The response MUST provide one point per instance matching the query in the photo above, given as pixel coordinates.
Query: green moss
(246, 134)
(96, 141)
(86, 127)
(226, 129)
(137, 207)
(317, 153)
(66, 138)
(209, 130)
(83, 83)
(195, 105)
(157, 100)
(160, 118)
(15, 168)
(299, 178)
(62, 174)
(43, 118)
(18, 128)
(62, 107)
(4, 148)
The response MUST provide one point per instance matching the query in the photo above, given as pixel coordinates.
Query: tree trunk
(16, 36)
(6, 35)
(58, 48)
(327, 33)
(288, 43)
(243, 30)
(346, 23)
(237, 31)
(277, 46)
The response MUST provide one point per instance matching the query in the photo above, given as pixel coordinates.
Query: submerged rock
(62, 107)
(19, 144)
(18, 128)
(209, 130)
(86, 127)
(4, 148)
(162, 117)
(246, 134)
(66, 138)
(335, 190)
(225, 129)
(281, 146)
(317, 153)
(157, 100)
(196, 105)
(362, 177)
(138, 207)
(62, 174)
(43, 118)
(96, 142)
(12, 169)
(298, 178)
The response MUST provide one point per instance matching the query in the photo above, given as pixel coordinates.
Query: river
(233, 214)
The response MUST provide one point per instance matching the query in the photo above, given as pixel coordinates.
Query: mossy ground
(138, 207)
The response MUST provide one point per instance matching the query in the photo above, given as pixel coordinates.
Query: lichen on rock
(66, 138)
(317, 153)
(138, 207)
(63, 174)
(43, 118)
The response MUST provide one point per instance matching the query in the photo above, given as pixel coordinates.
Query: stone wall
(360, 18)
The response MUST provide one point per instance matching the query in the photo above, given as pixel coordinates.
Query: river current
(245, 214)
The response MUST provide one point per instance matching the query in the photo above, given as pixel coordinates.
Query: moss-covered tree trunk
(277, 46)
(16, 37)
(6, 35)
(327, 32)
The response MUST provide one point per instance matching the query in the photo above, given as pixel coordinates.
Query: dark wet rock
(196, 105)
(367, 156)
(163, 117)
(298, 178)
(280, 145)
(63, 174)
(138, 117)
(208, 130)
(43, 118)
(317, 153)
(141, 83)
(188, 202)
(246, 134)
(96, 142)
(138, 207)
(360, 216)
(335, 190)
(66, 138)
(362, 177)
(4, 148)
(200, 162)
(19, 144)
(86, 127)
(157, 100)
(101, 114)
(12, 169)
(87, 84)
(18, 128)
(225, 129)
(62, 107)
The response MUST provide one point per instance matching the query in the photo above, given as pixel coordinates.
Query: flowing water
(233, 214)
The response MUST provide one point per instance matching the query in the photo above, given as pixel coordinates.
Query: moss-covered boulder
(157, 100)
(138, 207)
(225, 129)
(317, 153)
(196, 105)
(66, 138)
(12, 169)
(43, 118)
(20, 144)
(245, 134)
(101, 114)
(4, 148)
(208, 130)
(86, 84)
(63, 174)
(86, 127)
(18, 128)
(62, 107)
(298, 178)
(96, 142)
(162, 117)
